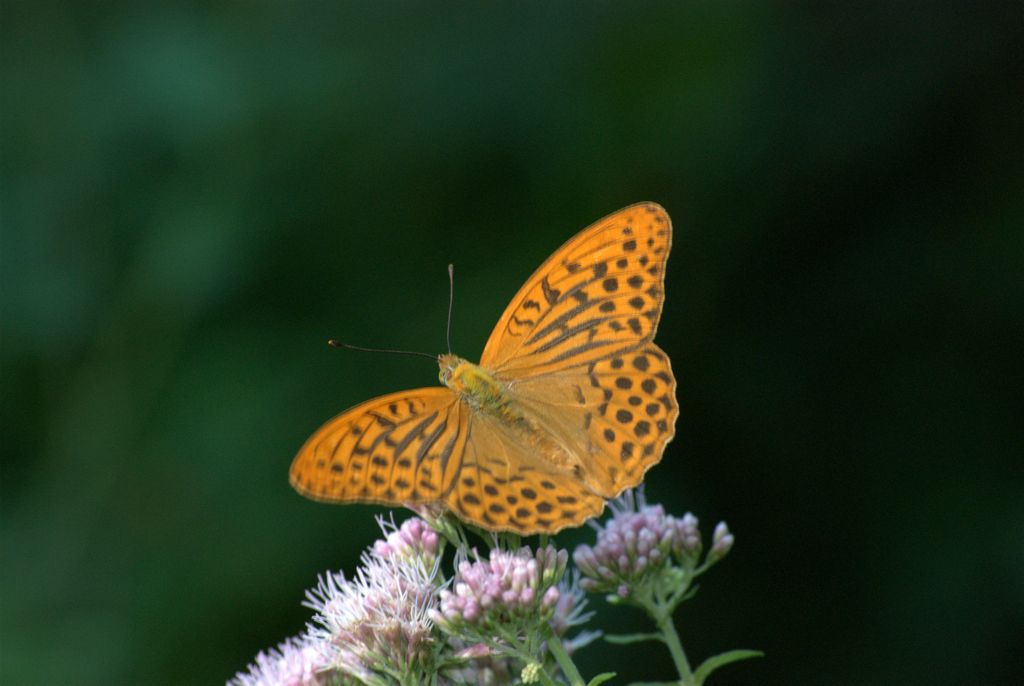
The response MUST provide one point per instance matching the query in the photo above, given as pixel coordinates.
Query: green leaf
(715, 661)
(624, 639)
(601, 678)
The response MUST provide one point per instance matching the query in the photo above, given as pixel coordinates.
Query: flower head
(295, 662)
(636, 543)
(413, 539)
(507, 589)
(379, 620)
(641, 545)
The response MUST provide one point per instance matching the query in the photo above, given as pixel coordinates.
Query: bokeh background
(195, 196)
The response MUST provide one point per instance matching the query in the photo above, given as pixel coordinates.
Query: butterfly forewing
(403, 447)
(601, 293)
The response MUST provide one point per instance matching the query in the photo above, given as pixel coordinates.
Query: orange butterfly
(570, 405)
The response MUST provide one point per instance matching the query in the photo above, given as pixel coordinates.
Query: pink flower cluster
(504, 587)
(639, 541)
(399, 620)
(413, 539)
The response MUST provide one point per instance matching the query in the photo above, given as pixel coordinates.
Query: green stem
(544, 677)
(668, 629)
(564, 661)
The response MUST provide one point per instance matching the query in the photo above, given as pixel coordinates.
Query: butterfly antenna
(335, 343)
(451, 300)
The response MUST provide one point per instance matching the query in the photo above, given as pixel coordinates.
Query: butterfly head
(449, 364)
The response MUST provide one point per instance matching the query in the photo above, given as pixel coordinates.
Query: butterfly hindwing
(633, 418)
(600, 293)
(399, 448)
(618, 414)
(504, 485)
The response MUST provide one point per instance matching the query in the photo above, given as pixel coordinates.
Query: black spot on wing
(550, 294)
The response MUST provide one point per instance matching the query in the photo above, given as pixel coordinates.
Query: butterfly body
(571, 403)
(479, 389)
(475, 386)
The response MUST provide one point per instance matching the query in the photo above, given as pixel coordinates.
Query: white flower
(295, 662)
(379, 621)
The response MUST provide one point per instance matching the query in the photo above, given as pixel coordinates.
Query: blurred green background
(195, 197)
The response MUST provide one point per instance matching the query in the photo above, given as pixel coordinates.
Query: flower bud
(721, 543)
(531, 673)
(474, 651)
(687, 544)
